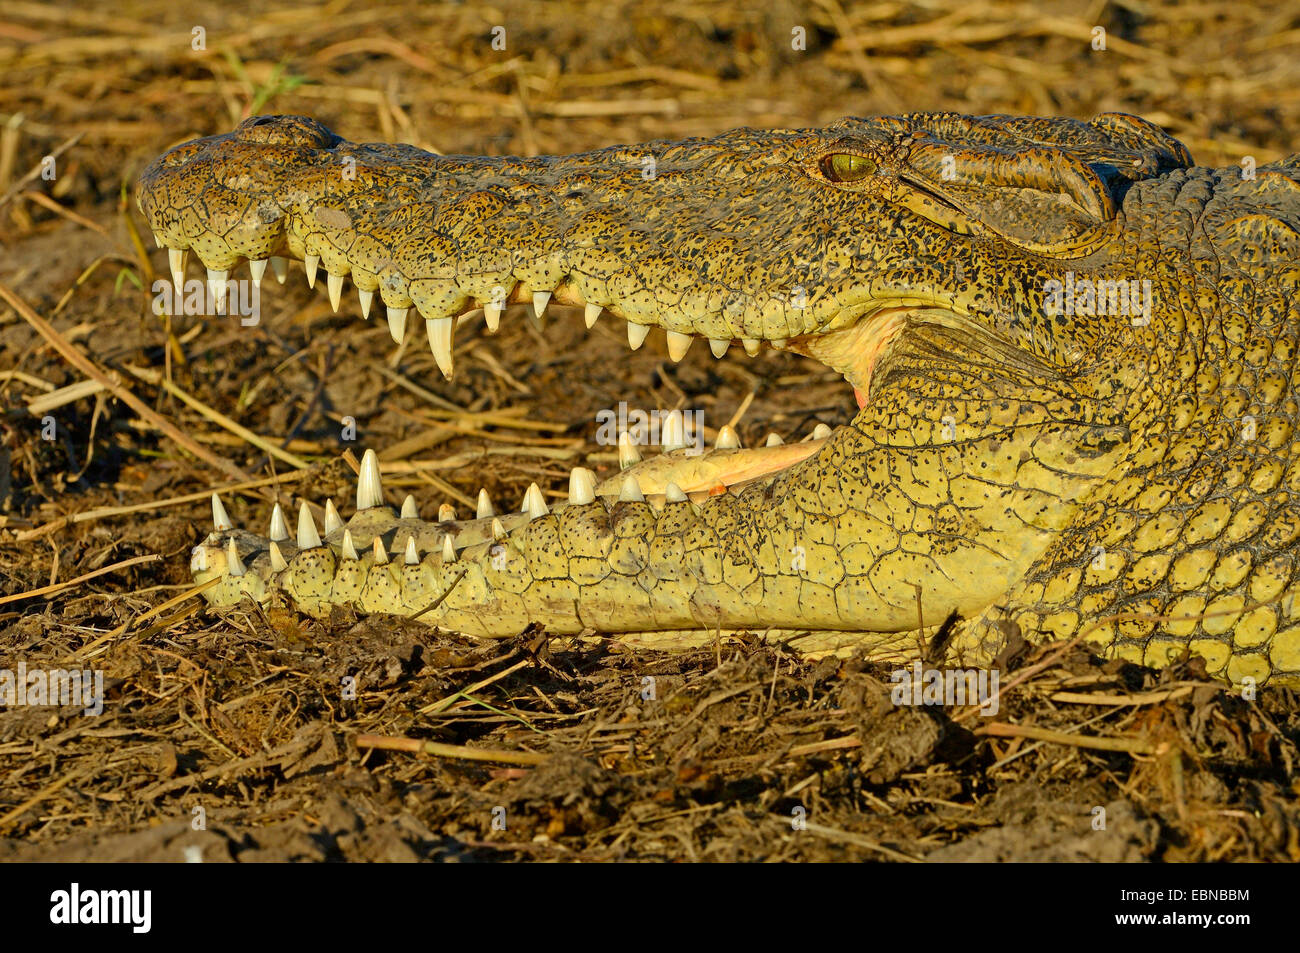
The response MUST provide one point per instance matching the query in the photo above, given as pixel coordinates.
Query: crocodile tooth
(332, 519)
(446, 513)
(308, 538)
(349, 548)
(233, 565)
(220, 518)
(780, 343)
(257, 268)
(280, 266)
(636, 334)
(540, 300)
(728, 439)
(498, 531)
(176, 258)
(582, 486)
(484, 506)
(217, 287)
(821, 432)
(628, 454)
(370, 491)
(630, 492)
(277, 558)
(672, 432)
(279, 528)
(311, 263)
(409, 510)
(397, 323)
(439, 330)
(673, 494)
(773, 440)
(719, 347)
(412, 554)
(448, 549)
(591, 313)
(157, 240)
(381, 554)
(678, 345)
(751, 345)
(492, 316)
(334, 283)
(199, 558)
(366, 298)
(534, 502)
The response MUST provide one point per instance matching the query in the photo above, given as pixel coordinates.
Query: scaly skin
(1011, 463)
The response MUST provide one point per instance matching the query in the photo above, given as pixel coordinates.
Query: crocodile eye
(847, 167)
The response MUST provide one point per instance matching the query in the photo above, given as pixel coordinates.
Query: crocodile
(1073, 352)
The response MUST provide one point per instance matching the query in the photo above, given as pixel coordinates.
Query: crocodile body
(1074, 353)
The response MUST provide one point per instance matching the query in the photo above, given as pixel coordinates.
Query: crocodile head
(925, 257)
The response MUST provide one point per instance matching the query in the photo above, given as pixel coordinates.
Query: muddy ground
(234, 736)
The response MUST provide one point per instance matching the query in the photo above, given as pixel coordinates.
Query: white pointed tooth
(332, 519)
(728, 439)
(366, 298)
(412, 554)
(397, 323)
(628, 454)
(439, 330)
(349, 548)
(220, 518)
(582, 486)
(446, 513)
(498, 530)
(176, 259)
(540, 300)
(257, 268)
(277, 558)
(492, 316)
(773, 440)
(448, 549)
(672, 432)
(217, 287)
(678, 345)
(751, 345)
(334, 284)
(484, 506)
(409, 510)
(199, 558)
(370, 491)
(636, 334)
(780, 343)
(311, 263)
(279, 528)
(591, 314)
(157, 240)
(630, 491)
(280, 266)
(308, 538)
(534, 502)
(821, 432)
(673, 493)
(719, 347)
(381, 554)
(233, 565)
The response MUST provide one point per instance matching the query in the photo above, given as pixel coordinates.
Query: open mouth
(853, 350)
